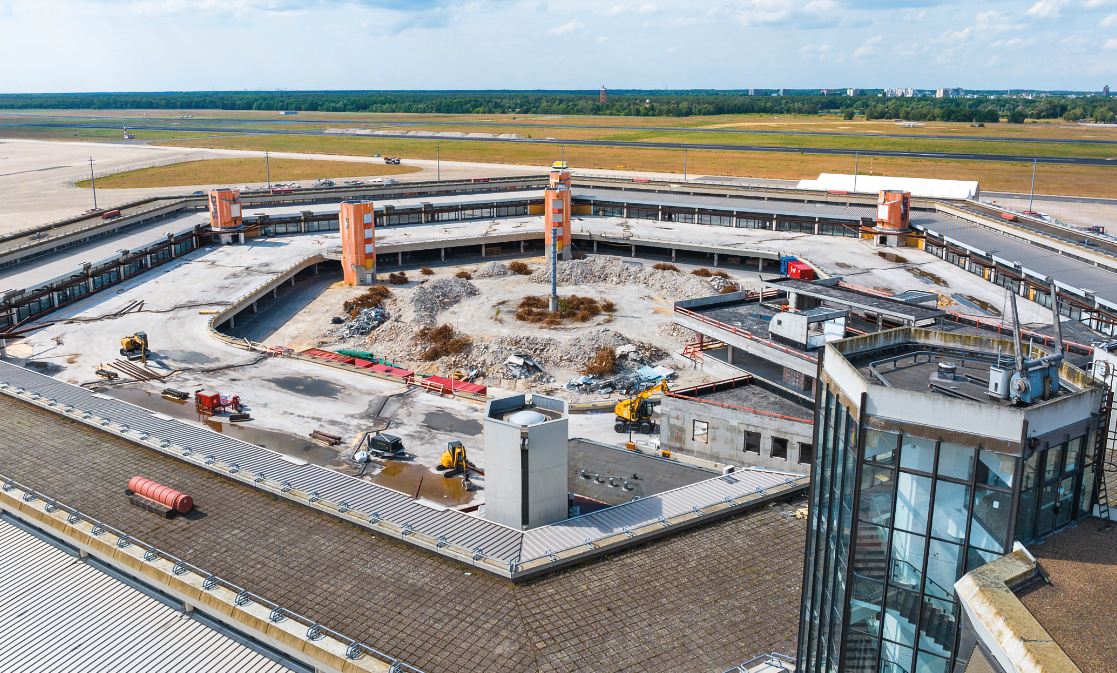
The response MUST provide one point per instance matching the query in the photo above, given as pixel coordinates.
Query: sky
(177, 45)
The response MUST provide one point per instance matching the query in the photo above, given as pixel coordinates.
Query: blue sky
(153, 45)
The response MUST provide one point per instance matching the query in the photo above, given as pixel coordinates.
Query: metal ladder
(1106, 438)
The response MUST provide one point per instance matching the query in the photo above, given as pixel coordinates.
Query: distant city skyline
(164, 45)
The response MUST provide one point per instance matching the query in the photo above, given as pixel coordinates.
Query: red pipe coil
(161, 494)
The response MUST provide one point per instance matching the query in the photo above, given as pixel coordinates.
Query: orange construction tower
(224, 209)
(556, 210)
(358, 242)
(893, 218)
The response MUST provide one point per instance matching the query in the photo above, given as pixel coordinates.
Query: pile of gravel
(612, 271)
(492, 270)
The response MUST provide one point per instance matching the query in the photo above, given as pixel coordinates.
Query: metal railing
(744, 333)
(773, 659)
(314, 630)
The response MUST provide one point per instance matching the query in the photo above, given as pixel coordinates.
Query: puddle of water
(404, 477)
(844, 265)
(307, 386)
(979, 304)
(444, 421)
(188, 357)
(892, 257)
(290, 445)
(926, 276)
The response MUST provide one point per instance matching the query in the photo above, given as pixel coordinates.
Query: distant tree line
(619, 103)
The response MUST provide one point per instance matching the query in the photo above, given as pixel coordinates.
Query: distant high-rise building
(825, 92)
(948, 93)
(752, 92)
(853, 92)
(782, 92)
(1105, 90)
(601, 96)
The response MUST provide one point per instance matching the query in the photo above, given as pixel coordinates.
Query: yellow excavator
(455, 462)
(134, 346)
(635, 413)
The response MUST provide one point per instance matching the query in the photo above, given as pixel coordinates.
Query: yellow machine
(455, 462)
(134, 346)
(636, 413)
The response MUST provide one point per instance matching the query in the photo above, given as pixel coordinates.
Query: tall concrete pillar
(715, 260)
(275, 292)
(672, 254)
(401, 258)
(522, 246)
(316, 268)
(442, 251)
(240, 237)
(482, 249)
(773, 223)
(255, 309)
(292, 280)
(595, 247)
(729, 353)
(232, 322)
(633, 250)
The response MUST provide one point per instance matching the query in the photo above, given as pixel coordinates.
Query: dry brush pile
(576, 309)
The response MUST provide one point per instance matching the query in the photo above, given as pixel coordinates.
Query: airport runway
(611, 127)
(142, 125)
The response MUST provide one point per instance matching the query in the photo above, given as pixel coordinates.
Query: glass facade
(900, 518)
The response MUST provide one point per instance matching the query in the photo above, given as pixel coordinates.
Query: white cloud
(670, 50)
(648, 8)
(603, 38)
(1109, 21)
(1046, 8)
(615, 10)
(568, 27)
(1111, 45)
(868, 47)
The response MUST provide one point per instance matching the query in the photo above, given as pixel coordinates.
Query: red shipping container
(800, 270)
(383, 369)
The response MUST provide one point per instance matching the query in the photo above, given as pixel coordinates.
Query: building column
(698, 338)
(401, 258)
(661, 213)
(275, 292)
(255, 309)
(316, 268)
(773, 222)
(672, 254)
(759, 263)
(232, 322)
(292, 280)
(626, 210)
(482, 249)
(816, 226)
(633, 250)
(595, 247)
(442, 251)
(522, 246)
(3, 348)
(729, 353)
(715, 260)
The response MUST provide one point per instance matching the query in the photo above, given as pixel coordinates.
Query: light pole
(93, 179)
(556, 241)
(1032, 194)
(267, 163)
(856, 157)
(437, 164)
(684, 163)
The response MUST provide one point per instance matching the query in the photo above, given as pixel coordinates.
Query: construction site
(543, 379)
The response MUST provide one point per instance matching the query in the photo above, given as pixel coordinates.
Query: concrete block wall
(726, 431)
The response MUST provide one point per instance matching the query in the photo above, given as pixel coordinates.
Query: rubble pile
(613, 271)
(362, 324)
(422, 305)
(492, 270)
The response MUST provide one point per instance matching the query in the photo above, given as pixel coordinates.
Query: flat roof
(1076, 604)
(462, 530)
(847, 297)
(678, 603)
(645, 475)
(751, 396)
(62, 614)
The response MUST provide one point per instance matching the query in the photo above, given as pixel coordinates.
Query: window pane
(929, 663)
(990, 519)
(1085, 498)
(975, 558)
(913, 502)
(952, 508)
(1074, 450)
(861, 653)
(900, 613)
(1026, 516)
(877, 484)
(1052, 466)
(1031, 466)
(870, 555)
(955, 461)
(895, 658)
(907, 560)
(917, 454)
(865, 605)
(1065, 507)
(944, 568)
(880, 447)
(936, 630)
(994, 469)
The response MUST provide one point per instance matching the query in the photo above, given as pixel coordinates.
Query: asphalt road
(519, 124)
(147, 125)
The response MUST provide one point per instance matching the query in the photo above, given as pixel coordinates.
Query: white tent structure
(873, 184)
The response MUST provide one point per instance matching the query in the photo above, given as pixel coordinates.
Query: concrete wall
(546, 472)
(503, 474)
(726, 432)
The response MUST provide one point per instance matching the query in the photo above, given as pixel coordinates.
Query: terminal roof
(831, 293)
(667, 605)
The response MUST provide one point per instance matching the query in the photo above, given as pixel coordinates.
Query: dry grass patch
(440, 342)
(604, 363)
(702, 273)
(575, 309)
(664, 266)
(426, 271)
(520, 268)
(234, 172)
(373, 298)
(397, 278)
(463, 274)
